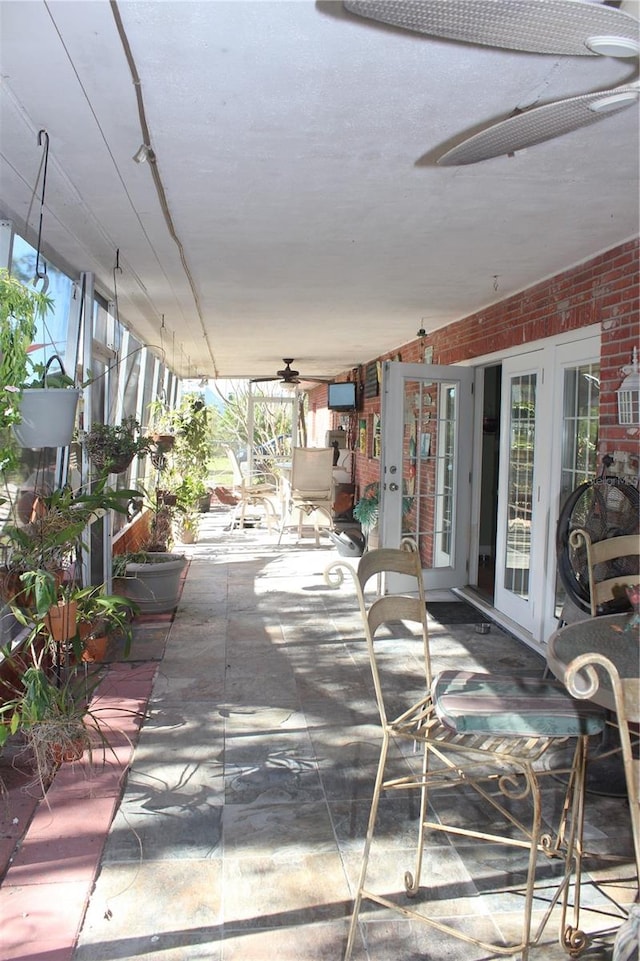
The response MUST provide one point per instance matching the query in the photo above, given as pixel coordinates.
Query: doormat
(454, 612)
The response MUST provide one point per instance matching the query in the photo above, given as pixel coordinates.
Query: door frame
(395, 375)
(568, 349)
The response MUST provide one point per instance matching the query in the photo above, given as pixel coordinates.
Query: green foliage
(110, 445)
(49, 540)
(367, 508)
(20, 308)
(272, 427)
(187, 464)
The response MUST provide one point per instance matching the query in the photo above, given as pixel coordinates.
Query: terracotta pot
(95, 649)
(62, 620)
(71, 751)
(163, 442)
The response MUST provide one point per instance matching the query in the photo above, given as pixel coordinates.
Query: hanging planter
(48, 410)
(112, 447)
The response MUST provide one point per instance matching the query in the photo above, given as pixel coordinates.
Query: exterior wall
(604, 290)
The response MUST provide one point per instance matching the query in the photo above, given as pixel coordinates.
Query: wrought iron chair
(309, 489)
(487, 732)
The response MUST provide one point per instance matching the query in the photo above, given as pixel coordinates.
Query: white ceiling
(296, 147)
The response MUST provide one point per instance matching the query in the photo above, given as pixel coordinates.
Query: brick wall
(604, 290)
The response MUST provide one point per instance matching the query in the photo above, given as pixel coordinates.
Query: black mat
(454, 612)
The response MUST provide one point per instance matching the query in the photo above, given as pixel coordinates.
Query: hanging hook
(41, 274)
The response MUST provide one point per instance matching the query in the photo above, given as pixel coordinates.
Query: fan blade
(262, 380)
(537, 26)
(540, 124)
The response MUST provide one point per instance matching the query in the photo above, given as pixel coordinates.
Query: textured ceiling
(297, 208)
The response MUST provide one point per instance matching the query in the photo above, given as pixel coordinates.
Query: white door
(427, 419)
(521, 532)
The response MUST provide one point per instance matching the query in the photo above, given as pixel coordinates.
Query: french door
(521, 536)
(427, 419)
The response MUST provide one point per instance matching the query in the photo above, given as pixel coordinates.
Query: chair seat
(468, 702)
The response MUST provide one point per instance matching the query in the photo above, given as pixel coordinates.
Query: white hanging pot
(48, 414)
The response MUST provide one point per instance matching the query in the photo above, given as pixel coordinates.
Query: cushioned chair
(309, 489)
(612, 566)
(490, 733)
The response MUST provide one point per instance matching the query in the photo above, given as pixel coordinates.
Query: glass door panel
(426, 466)
(517, 536)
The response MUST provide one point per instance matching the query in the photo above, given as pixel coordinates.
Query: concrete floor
(239, 832)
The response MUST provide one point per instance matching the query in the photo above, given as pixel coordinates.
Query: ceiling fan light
(613, 46)
(616, 101)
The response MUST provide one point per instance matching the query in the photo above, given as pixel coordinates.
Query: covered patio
(239, 824)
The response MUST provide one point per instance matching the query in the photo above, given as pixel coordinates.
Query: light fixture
(613, 46)
(616, 101)
(629, 393)
(144, 153)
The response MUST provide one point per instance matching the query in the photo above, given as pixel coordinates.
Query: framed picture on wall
(376, 434)
(362, 436)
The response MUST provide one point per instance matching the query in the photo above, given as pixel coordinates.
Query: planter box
(154, 586)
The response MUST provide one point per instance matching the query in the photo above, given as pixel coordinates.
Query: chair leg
(572, 938)
(412, 881)
(373, 813)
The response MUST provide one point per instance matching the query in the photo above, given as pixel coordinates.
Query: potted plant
(20, 307)
(188, 525)
(151, 579)
(55, 718)
(52, 541)
(48, 404)
(111, 448)
(367, 510)
(101, 615)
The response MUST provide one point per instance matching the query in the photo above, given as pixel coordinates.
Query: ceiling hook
(43, 137)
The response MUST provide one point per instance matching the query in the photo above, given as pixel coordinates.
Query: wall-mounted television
(341, 396)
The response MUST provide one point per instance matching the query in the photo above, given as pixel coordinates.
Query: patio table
(599, 659)
(604, 636)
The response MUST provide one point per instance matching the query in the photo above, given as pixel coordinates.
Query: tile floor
(241, 822)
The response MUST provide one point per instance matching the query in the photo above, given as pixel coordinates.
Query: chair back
(613, 566)
(312, 473)
(236, 470)
(388, 611)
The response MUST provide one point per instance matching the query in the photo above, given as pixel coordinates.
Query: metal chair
(255, 490)
(612, 566)
(487, 732)
(309, 489)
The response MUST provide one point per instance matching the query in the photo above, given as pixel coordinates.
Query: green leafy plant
(366, 510)
(56, 718)
(120, 561)
(20, 308)
(39, 375)
(54, 538)
(101, 614)
(113, 447)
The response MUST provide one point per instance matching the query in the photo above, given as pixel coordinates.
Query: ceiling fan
(288, 376)
(565, 27)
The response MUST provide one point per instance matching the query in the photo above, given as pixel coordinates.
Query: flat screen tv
(341, 396)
